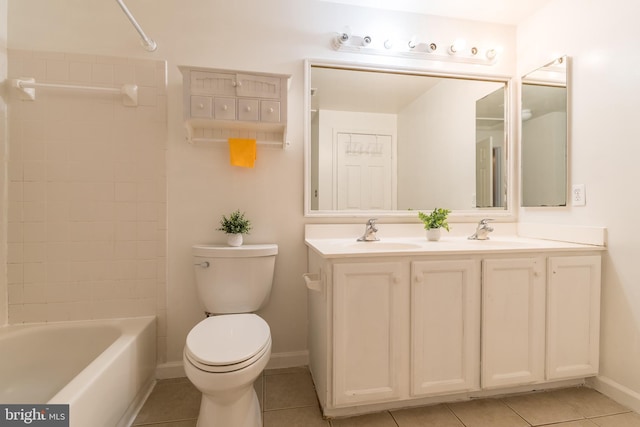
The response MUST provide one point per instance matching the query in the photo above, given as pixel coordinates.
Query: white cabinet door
(513, 321)
(445, 326)
(573, 316)
(370, 331)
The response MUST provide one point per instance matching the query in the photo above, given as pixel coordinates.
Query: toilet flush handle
(204, 264)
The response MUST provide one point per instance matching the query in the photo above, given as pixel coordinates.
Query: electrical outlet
(578, 195)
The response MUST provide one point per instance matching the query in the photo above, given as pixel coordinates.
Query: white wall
(601, 39)
(272, 36)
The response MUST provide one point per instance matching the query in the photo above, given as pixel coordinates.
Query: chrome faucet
(482, 230)
(370, 232)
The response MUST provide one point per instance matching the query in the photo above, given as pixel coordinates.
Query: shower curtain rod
(147, 42)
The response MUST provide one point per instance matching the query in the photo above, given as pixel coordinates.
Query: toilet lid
(228, 339)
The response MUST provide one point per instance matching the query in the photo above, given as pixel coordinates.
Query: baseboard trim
(288, 360)
(170, 370)
(277, 361)
(616, 391)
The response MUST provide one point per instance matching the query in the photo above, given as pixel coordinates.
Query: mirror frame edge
(506, 214)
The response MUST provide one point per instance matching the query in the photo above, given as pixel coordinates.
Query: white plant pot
(433, 234)
(234, 239)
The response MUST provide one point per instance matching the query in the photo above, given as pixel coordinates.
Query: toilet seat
(227, 342)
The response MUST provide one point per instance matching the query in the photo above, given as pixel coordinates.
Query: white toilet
(226, 352)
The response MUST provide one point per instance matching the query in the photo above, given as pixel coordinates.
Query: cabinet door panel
(513, 321)
(573, 310)
(370, 331)
(445, 326)
(258, 86)
(211, 83)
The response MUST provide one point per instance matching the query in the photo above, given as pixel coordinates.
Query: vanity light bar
(456, 52)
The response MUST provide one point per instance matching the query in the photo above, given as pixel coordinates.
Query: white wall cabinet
(388, 331)
(513, 321)
(227, 103)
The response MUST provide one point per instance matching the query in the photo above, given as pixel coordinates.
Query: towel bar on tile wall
(27, 86)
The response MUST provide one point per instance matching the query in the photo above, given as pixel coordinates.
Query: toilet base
(243, 411)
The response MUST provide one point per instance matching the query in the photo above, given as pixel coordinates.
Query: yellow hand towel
(242, 152)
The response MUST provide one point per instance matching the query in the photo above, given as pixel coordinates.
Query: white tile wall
(87, 206)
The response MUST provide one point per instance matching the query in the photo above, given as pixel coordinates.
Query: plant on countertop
(436, 219)
(235, 224)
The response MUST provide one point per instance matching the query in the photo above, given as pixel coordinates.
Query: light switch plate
(578, 195)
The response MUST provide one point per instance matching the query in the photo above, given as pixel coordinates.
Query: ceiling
(510, 12)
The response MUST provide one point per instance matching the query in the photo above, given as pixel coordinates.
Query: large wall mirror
(392, 141)
(544, 135)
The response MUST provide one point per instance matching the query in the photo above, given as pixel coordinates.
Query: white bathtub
(102, 368)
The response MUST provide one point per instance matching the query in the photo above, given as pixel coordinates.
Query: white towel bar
(276, 144)
(28, 87)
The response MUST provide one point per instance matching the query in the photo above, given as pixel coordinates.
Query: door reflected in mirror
(386, 140)
(544, 136)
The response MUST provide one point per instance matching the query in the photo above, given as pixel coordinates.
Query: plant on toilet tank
(235, 226)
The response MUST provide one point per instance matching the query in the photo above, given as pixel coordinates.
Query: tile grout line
(454, 414)
(394, 419)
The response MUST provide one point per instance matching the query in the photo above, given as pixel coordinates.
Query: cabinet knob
(234, 84)
(271, 110)
(225, 107)
(418, 279)
(201, 106)
(247, 108)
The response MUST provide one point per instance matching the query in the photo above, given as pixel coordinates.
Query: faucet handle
(485, 221)
(372, 221)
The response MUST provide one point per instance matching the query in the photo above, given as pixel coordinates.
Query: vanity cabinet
(573, 316)
(513, 321)
(370, 333)
(445, 326)
(404, 330)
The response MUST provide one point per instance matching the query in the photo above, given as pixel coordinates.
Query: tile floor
(288, 399)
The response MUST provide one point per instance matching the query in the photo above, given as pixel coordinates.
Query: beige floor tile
(542, 408)
(588, 402)
(380, 419)
(170, 400)
(289, 390)
(308, 416)
(579, 423)
(630, 419)
(438, 415)
(486, 413)
(187, 423)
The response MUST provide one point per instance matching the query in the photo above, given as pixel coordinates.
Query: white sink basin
(382, 246)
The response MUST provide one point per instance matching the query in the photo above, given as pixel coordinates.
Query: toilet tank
(234, 279)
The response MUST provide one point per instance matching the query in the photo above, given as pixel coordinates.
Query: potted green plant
(434, 222)
(235, 226)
